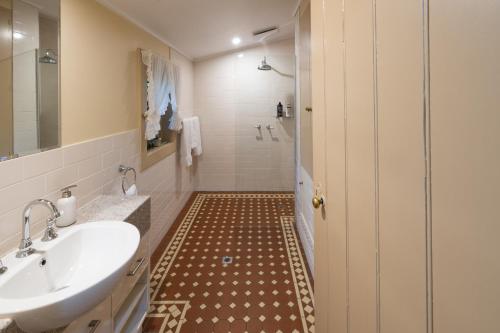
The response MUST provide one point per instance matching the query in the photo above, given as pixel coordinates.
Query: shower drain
(227, 260)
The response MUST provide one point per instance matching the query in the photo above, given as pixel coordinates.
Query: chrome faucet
(3, 268)
(25, 248)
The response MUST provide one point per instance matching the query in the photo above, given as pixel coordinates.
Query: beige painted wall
(98, 70)
(99, 96)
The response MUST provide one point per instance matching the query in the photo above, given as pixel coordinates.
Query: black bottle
(279, 110)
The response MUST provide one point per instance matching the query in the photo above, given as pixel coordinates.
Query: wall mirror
(29, 77)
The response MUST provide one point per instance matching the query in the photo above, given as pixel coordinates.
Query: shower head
(264, 66)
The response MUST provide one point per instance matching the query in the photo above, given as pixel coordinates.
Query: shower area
(245, 101)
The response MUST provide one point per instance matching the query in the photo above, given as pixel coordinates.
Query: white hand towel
(132, 191)
(196, 133)
(190, 139)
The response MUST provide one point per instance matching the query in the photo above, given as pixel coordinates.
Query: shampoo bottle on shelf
(279, 110)
(67, 207)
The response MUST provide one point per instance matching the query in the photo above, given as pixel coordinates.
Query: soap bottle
(67, 207)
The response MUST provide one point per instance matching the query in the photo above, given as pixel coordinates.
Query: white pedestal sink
(67, 276)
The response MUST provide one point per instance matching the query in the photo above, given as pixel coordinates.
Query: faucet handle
(50, 232)
(3, 268)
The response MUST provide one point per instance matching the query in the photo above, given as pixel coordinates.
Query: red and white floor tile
(266, 288)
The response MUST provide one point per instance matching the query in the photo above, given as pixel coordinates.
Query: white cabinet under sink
(133, 311)
(131, 297)
(97, 320)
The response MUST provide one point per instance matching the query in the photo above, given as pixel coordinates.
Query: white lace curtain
(163, 82)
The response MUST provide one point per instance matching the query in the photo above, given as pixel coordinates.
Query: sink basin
(67, 276)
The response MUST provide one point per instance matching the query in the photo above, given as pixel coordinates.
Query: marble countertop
(110, 207)
(104, 207)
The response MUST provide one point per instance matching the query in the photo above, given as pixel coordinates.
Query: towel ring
(124, 170)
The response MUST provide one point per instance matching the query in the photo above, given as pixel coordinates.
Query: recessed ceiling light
(241, 55)
(236, 40)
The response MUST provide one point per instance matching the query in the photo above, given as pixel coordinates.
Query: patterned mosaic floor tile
(264, 287)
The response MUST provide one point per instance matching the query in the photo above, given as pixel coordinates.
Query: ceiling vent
(265, 31)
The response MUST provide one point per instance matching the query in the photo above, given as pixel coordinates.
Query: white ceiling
(201, 28)
(46, 7)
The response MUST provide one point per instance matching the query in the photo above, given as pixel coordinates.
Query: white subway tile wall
(93, 166)
(231, 97)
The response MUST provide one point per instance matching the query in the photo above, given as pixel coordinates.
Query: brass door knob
(317, 201)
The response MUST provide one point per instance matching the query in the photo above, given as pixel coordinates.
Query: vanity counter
(134, 210)
(110, 207)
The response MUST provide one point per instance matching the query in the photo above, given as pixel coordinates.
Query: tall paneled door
(406, 130)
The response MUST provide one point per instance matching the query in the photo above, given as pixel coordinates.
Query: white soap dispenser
(67, 207)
